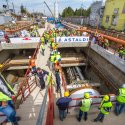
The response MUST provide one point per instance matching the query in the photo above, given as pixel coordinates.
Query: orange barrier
(78, 28)
(26, 88)
(23, 87)
(50, 110)
(106, 36)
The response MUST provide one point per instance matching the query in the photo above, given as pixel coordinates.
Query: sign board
(76, 39)
(25, 40)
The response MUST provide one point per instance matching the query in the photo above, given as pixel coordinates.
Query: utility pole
(54, 8)
(13, 7)
(7, 4)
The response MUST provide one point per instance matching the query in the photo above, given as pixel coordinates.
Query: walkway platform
(71, 118)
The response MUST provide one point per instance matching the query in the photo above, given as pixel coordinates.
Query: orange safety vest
(32, 62)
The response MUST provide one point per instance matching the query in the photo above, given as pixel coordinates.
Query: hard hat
(29, 57)
(66, 94)
(1, 65)
(123, 86)
(87, 95)
(58, 52)
(106, 98)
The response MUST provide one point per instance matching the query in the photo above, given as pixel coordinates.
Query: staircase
(29, 110)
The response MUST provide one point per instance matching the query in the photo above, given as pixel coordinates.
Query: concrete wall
(113, 59)
(19, 46)
(78, 20)
(111, 71)
(4, 55)
(72, 44)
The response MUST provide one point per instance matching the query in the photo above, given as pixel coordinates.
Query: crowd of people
(85, 104)
(49, 37)
(105, 43)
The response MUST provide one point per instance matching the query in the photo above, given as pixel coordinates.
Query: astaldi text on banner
(73, 39)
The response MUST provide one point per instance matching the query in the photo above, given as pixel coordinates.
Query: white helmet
(123, 86)
(29, 57)
(58, 52)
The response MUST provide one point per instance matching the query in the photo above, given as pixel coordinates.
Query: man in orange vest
(32, 65)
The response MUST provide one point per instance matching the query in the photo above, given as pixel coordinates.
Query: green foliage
(23, 10)
(67, 12)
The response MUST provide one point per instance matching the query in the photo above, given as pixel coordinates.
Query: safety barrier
(26, 87)
(40, 119)
(50, 107)
(96, 100)
(50, 110)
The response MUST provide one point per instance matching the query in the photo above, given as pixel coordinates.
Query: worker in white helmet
(58, 57)
(120, 101)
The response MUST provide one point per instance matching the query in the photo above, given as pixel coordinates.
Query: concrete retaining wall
(19, 46)
(111, 70)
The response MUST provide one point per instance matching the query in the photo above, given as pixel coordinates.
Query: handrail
(50, 110)
(22, 89)
(63, 81)
(40, 119)
(24, 86)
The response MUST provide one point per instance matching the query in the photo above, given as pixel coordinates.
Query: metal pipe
(106, 36)
(85, 30)
(76, 74)
(79, 72)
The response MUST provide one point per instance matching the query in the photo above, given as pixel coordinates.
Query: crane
(49, 9)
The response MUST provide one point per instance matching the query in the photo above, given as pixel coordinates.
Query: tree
(67, 12)
(88, 11)
(23, 10)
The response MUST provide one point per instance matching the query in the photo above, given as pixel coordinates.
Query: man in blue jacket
(6, 103)
(63, 104)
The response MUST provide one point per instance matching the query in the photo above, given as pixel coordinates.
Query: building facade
(96, 13)
(114, 15)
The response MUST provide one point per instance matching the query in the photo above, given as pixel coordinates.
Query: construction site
(85, 67)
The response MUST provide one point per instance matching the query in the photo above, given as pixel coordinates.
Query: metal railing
(40, 119)
(50, 110)
(26, 87)
(50, 107)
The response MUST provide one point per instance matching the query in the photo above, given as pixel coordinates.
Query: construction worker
(120, 51)
(1, 65)
(42, 46)
(123, 53)
(105, 108)
(120, 100)
(32, 65)
(63, 104)
(106, 44)
(84, 106)
(42, 39)
(41, 74)
(50, 79)
(57, 75)
(6, 101)
(51, 42)
(47, 37)
(58, 57)
(52, 60)
(53, 45)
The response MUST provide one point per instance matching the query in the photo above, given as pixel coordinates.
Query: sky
(39, 6)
